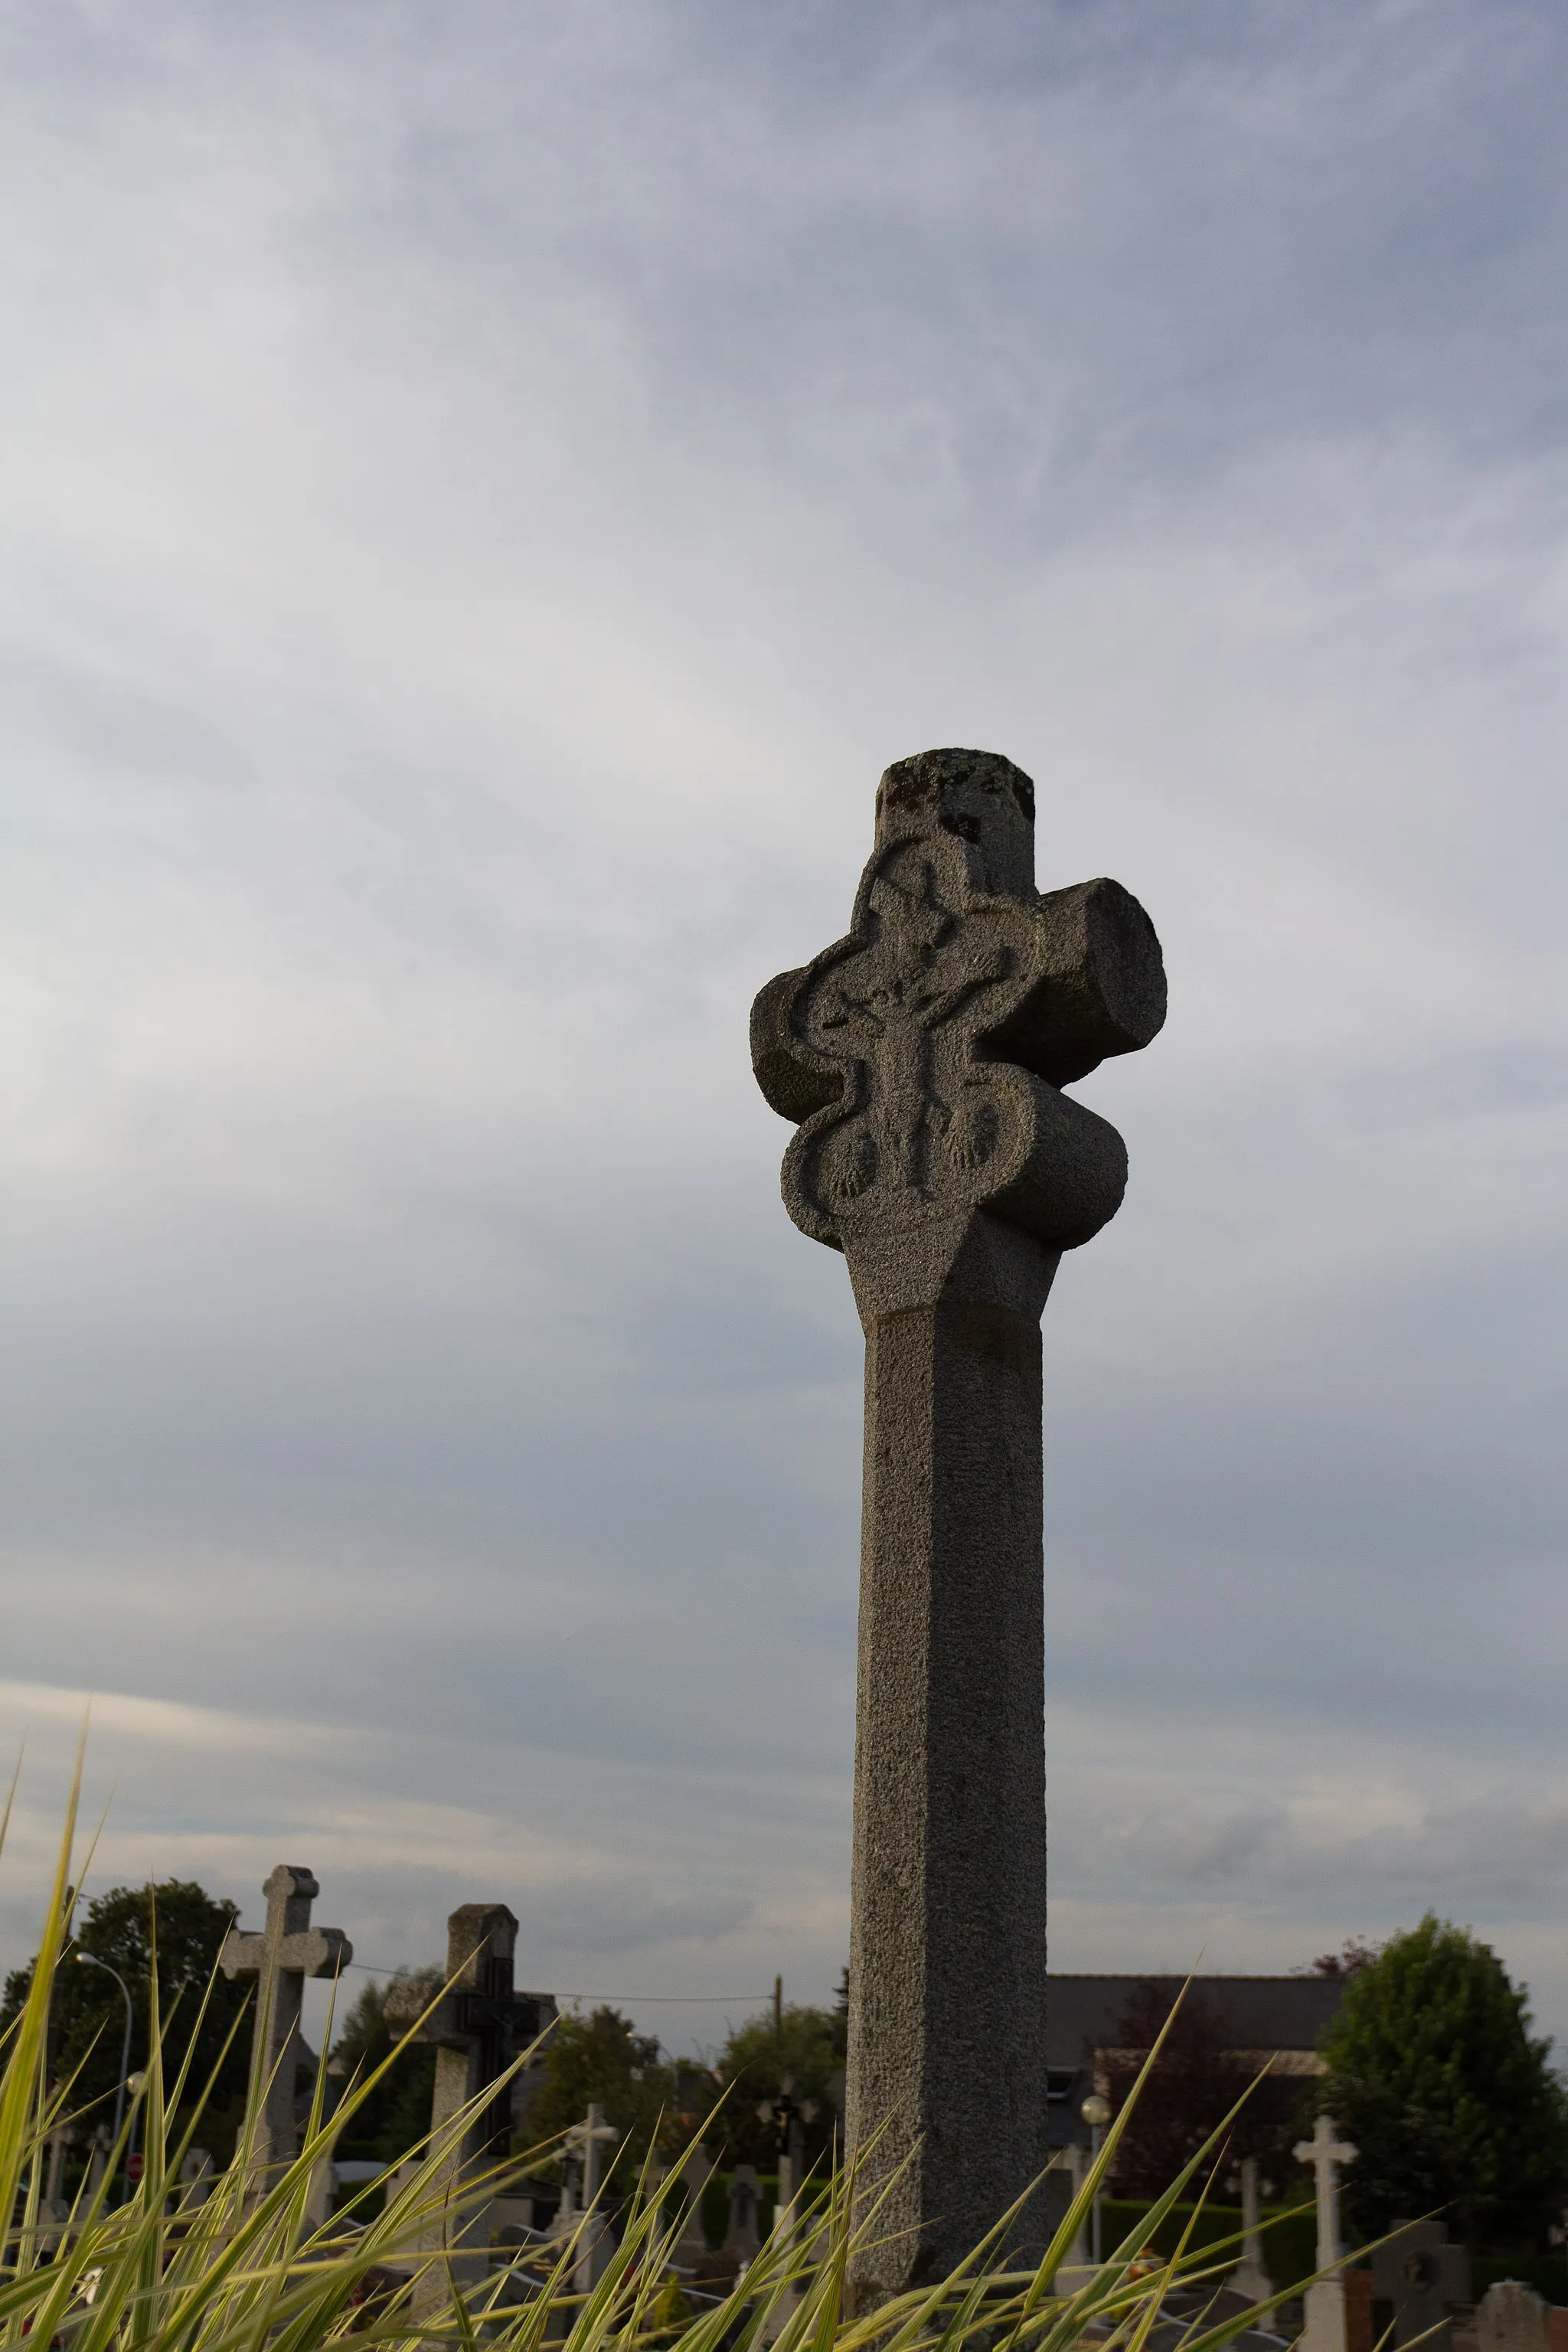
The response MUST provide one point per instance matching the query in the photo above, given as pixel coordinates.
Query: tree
(1434, 2075)
(602, 2058)
(1354, 1955)
(806, 2044)
(187, 1925)
(395, 2115)
(1197, 2081)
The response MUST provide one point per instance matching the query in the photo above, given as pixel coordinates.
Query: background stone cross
(1325, 2303)
(476, 2027)
(1417, 2272)
(1325, 2153)
(922, 1058)
(588, 2141)
(281, 1956)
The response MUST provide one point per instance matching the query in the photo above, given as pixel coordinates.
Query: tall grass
(247, 2266)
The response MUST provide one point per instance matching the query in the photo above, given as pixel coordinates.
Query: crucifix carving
(285, 1952)
(922, 1058)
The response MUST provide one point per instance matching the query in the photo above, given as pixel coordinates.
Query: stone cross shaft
(285, 1952)
(922, 1058)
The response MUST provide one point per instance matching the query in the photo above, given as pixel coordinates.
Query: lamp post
(135, 2085)
(1096, 2113)
(91, 1961)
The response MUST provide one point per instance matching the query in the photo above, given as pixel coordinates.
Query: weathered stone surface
(285, 1952)
(1422, 2276)
(922, 1056)
(1512, 2317)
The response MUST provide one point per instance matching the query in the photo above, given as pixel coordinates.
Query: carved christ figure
(904, 988)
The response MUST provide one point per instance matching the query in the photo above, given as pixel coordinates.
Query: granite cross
(923, 1057)
(285, 1952)
(474, 2025)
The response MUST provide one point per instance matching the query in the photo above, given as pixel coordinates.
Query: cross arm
(316, 1952)
(1100, 989)
(310, 1952)
(795, 1081)
(404, 2012)
(461, 2015)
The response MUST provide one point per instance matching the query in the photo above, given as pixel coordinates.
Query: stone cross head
(1324, 2152)
(287, 1951)
(480, 2016)
(922, 1056)
(288, 1945)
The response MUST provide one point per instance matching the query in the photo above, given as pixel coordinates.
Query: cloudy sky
(484, 490)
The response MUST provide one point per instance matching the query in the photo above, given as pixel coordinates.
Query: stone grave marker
(589, 2141)
(474, 2026)
(1420, 2274)
(1250, 2277)
(690, 2249)
(1325, 2303)
(923, 1057)
(1512, 2317)
(741, 2238)
(284, 1953)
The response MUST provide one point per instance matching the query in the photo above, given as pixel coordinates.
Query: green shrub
(1289, 2235)
(1547, 2273)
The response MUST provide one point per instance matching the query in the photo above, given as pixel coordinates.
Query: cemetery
(783, 1152)
(1117, 2144)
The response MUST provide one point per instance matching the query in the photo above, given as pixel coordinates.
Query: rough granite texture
(922, 1058)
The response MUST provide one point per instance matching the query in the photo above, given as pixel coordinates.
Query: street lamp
(1096, 2113)
(91, 1961)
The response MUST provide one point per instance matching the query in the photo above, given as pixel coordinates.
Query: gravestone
(923, 1057)
(589, 2141)
(741, 2237)
(1512, 2317)
(285, 1952)
(474, 2027)
(1325, 2303)
(1250, 2277)
(690, 2249)
(1419, 2275)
